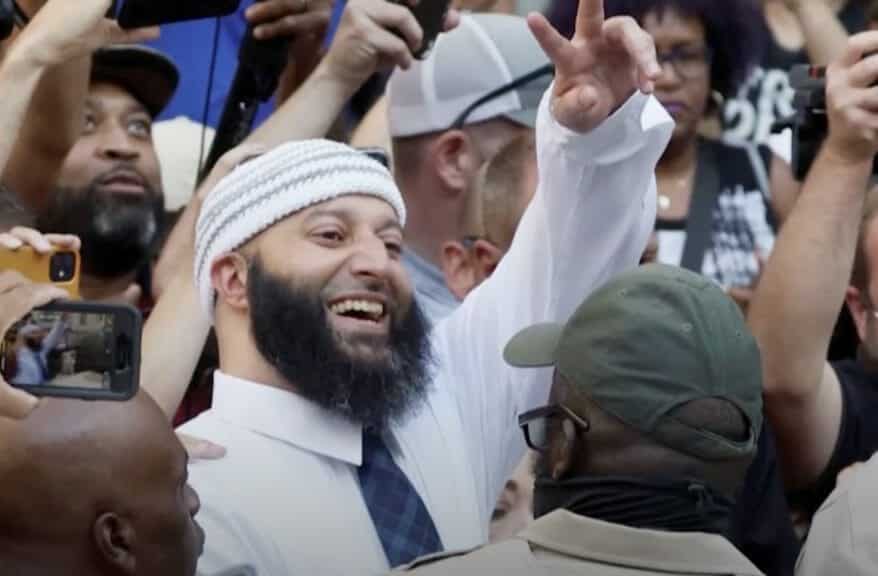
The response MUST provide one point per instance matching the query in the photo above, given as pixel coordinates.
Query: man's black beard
(293, 333)
(118, 232)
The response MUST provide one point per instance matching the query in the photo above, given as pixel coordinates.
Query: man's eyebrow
(349, 214)
(136, 108)
(390, 224)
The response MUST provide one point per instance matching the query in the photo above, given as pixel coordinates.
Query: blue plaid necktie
(401, 519)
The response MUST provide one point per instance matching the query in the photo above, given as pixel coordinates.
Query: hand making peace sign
(599, 69)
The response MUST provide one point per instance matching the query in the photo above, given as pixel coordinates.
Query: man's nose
(370, 258)
(193, 502)
(117, 145)
(669, 75)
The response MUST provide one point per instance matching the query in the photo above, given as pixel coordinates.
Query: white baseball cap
(489, 67)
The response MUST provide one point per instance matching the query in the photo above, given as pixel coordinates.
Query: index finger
(68, 241)
(858, 46)
(590, 19)
(32, 238)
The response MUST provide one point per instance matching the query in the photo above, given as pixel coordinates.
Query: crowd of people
(558, 297)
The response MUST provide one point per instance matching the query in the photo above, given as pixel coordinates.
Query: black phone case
(114, 394)
(430, 15)
(140, 13)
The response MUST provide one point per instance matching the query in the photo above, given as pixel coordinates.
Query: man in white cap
(478, 90)
(356, 442)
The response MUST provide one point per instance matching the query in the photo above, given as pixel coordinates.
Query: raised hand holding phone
(42, 259)
(63, 30)
(600, 68)
(377, 35)
(18, 296)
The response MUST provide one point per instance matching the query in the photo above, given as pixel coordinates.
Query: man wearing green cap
(652, 422)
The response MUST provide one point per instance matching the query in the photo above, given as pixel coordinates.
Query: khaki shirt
(844, 534)
(563, 543)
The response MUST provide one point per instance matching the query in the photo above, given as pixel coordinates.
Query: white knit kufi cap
(261, 192)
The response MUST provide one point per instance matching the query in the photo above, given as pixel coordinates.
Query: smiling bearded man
(349, 450)
(314, 261)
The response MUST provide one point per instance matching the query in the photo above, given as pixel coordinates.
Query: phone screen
(79, 353)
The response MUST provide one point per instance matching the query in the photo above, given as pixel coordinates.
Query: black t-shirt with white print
(767, 97)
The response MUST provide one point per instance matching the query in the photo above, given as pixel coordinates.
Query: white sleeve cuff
(617, 137)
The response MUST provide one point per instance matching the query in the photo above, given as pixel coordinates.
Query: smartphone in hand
(141, 13)
(430, 15)
(79, 350)
(59, 267)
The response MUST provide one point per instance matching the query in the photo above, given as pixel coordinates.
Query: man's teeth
(374, 309)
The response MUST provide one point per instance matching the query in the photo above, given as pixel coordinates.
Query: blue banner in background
(190, 45)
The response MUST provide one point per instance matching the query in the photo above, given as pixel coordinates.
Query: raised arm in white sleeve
(50, 342)
(590, 219)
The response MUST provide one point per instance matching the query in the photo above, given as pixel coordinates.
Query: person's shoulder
(206, 426)
(843, 532)
(511, 558)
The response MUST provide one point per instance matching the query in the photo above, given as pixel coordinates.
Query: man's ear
(487, 257)
(453, 159)
(116, 539)
(859, 312)
(564, 450)
(229, 278)
(458, 269)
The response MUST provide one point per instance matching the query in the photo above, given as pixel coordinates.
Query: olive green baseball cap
(649, 342)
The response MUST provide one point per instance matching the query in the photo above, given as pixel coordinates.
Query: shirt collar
(589, 539)
(428, 278)
(287, 417)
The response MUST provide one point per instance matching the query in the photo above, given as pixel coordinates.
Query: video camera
(809, 124)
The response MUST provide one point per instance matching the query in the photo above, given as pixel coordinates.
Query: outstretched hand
(377, 35)
(63, 30)
(18, 296)
(852, 101)
(600, 68)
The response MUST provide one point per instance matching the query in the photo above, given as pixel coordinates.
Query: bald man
(95, 488)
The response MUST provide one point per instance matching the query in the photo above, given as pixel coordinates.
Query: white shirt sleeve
(591, 217)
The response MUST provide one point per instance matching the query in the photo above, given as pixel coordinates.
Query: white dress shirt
(286, 498)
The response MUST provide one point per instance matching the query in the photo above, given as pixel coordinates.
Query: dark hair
(734, 31)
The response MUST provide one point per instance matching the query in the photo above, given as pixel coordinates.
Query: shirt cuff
(617, 137)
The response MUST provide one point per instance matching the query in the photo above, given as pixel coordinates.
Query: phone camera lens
(62, 266)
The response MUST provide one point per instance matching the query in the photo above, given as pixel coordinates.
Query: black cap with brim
(150, 76)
